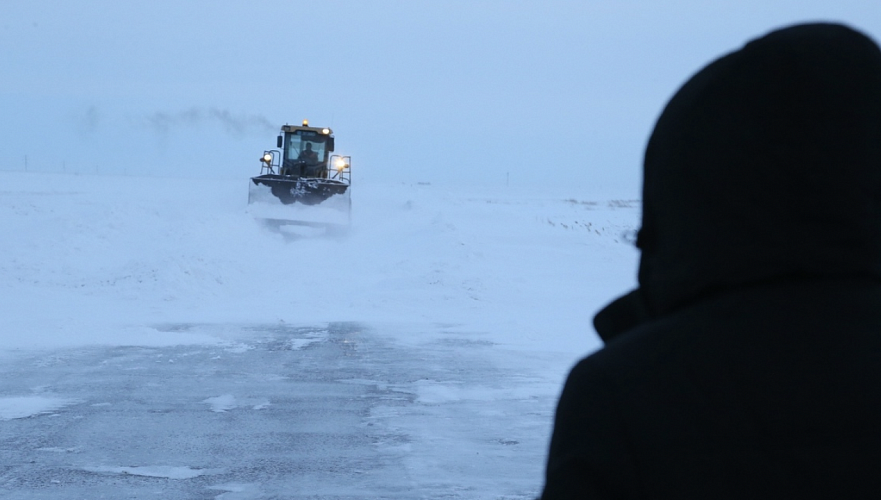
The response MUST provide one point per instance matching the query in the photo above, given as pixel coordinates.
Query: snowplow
(302, 169)
(302, 178)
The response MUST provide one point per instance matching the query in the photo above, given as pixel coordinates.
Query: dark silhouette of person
(748, 362)
(308, 155)
(312, 167)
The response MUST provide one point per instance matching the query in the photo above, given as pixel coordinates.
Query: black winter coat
(748, 362)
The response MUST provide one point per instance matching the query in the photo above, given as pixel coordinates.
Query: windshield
(306, 145)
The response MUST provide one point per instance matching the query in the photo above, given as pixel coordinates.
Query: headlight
(340, 164)
(267, 158)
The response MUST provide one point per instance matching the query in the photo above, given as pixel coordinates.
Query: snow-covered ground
(113, 260)
(102, 259)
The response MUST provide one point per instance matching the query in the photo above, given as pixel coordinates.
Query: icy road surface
(328, 411)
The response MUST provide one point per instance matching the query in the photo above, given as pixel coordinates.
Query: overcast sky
(489, 91)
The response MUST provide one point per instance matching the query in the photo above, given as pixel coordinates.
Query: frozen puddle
(223, 403)
(238, 491)
(227, 402)
(160, 471)
(29, 406)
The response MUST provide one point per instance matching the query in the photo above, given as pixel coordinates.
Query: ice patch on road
(222, 403)
(29, 406)
(161, 471)
(238, 348)
(433, 392)
(53, 449)
(297, 344)
(238, 491)
(227, 402)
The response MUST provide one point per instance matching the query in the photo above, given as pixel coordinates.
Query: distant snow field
(108, 259)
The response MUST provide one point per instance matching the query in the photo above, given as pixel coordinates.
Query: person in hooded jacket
(748, 362)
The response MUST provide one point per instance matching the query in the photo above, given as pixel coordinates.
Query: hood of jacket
(765, 164)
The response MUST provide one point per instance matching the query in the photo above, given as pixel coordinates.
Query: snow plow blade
(308, 191)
